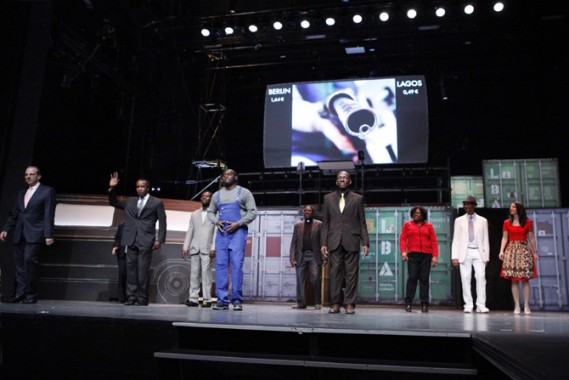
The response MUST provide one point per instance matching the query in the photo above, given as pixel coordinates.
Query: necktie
(342, 203)
(470, 228)
(139, 206)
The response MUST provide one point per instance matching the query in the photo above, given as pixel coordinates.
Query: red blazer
(415, 238)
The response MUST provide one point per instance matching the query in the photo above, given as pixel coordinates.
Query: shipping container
(533, 182)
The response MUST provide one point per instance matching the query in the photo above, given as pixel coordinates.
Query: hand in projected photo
(306, 118)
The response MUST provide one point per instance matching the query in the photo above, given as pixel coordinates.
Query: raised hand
(114, 179)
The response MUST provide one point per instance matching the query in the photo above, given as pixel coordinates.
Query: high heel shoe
(516, 311)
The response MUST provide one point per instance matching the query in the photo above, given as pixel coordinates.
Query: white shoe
(468, 310)
(482, 309)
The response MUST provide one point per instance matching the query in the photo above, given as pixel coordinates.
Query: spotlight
(229, 30)
(253, 28)
(384, 16)
(357, 19)
(411, 13)
(469, 9)
(330, 21)
(305, 24)
(440, 12)
(205, 32)
(498, 7)
(277, 25)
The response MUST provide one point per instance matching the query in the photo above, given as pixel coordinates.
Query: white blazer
(460, 238)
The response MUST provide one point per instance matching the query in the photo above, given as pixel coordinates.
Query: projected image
(335, 120)
(384, 118)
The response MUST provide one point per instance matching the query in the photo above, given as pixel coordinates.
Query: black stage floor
(69, 338)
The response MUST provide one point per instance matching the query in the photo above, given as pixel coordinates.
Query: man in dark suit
(343, 229)
(305, 255)
(32, 224)
(139, 236)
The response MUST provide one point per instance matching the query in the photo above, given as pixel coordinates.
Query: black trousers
(344, 268)
(26, 260)
(138, 272)
(308, 264)
(419, 269)
(121, 281)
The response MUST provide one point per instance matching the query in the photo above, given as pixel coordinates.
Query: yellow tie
(342, 202)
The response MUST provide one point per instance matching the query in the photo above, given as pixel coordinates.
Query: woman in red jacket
(419, 247)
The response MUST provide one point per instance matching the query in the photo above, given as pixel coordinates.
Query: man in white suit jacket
(470, 248)
(199, 244)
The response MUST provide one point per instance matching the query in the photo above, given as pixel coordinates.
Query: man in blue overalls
(231, 209)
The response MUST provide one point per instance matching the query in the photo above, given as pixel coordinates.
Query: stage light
(411, 13)
(384, 16)
(330, 21)
(469, 9)
(440, 12)
(277, 25)
(253, 28)
(357, 19)
(498, 7)
(305, 24)
(205, 32)
(229, 30)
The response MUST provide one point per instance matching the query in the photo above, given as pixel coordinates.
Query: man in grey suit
(200, 246)
(305, 256)
(343, 230)
(32, 224)
(139, 236)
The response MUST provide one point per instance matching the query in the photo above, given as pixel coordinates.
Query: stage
(271, 340)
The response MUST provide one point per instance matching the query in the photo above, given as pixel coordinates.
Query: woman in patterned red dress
(518, 254)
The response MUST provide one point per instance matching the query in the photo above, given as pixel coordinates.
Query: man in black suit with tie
(139, 236)
(305, 256)
(343, 229)
(32, 224)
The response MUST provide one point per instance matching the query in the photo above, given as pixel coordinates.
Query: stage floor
(538, 342)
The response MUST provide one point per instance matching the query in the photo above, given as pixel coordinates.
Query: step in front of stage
(275, 352)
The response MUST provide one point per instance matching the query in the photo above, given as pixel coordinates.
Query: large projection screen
(386, 118)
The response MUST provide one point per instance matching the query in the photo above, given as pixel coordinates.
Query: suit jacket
(141, 230)
(460, 238)
(35, 222)
(347, 229)
(199, 237)
(297, 241)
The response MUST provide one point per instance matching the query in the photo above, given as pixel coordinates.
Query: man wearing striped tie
(470, 248)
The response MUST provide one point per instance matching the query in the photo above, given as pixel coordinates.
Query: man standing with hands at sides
(199, 245)
(139, 236)
(305, 255)
(231, 209)
(31, 223)
(470, 248)
(343, 229)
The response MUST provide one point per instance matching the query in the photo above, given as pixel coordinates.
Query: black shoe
(30, 301)
(297, 306)
(130, 302)
(424, 307)
(237, 306)
(17, 299)
(408, 307)
(141, 303)
(220, 306)
(191, 303)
